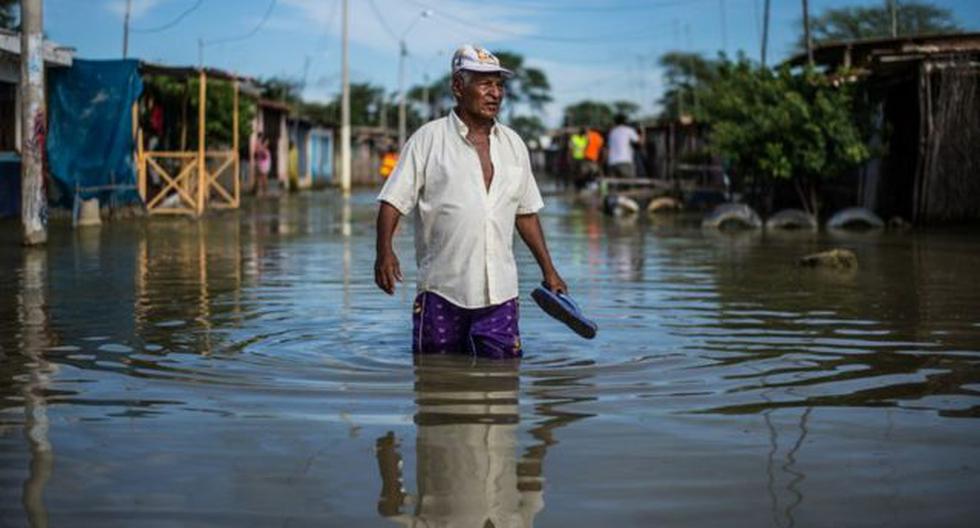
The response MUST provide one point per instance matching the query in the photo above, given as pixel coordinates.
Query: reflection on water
(244, 371)
(466, 450)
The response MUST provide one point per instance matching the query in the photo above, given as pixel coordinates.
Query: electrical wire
(381, 21)
(265, 18)
(172, 23)
(471, 24)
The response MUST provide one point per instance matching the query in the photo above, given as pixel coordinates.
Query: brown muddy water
(244, 371)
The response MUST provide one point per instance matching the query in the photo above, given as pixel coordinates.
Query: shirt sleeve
(530, 201)
(633, 135)
(403, 186)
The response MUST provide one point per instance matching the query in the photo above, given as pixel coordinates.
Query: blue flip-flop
(562, 307)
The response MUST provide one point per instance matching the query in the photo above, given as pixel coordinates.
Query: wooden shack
(925, 91)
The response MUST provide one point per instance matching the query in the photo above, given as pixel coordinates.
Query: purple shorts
(441, 327)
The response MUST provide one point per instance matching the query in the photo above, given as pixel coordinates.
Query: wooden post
(140, 165)
(234, 143)
(202, 167)
(137, 140)
(33, 123)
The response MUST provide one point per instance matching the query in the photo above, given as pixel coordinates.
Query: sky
(602, 50)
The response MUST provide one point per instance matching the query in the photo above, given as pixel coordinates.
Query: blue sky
(597, 49)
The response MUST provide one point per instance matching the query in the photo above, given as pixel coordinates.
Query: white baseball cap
(474, 58)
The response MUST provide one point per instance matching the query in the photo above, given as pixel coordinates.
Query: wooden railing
(181, 190)
(190, 181)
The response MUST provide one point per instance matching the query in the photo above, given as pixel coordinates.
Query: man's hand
(529, 227)
(387, 271)
(554, 282)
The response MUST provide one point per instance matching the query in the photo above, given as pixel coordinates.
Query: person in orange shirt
(592, 153)
(389, 158)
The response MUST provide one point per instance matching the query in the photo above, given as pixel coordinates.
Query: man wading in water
(468, 180)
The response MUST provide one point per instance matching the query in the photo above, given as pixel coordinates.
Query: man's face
(482, 96)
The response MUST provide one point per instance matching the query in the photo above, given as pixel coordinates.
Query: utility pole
(402, 53)
(344, 108)
(806, 33)
(765, 32)
(33, 124)
(893, 8)
(126, 29)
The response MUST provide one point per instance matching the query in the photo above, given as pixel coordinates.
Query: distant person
(293, 171)
(467, 181)
(593, 153)
(577, 144)
(263, 164)
(389, 159)
(623, 139)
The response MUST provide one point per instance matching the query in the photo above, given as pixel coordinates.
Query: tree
(529, 127)
(854, 23)
(684, 74)
(528, 86)
(283, 89)
(589, 113)
(179, 97)
(626, 108)
(784, 126)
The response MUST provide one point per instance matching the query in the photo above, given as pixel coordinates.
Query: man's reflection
(468, 472)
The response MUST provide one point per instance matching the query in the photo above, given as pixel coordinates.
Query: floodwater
(244, 371)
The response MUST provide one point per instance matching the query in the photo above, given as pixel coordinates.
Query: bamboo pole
(140, 165)
(138, 151)
(202, 178)
(234, 144)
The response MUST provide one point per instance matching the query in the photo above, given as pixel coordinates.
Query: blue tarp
(90, 131)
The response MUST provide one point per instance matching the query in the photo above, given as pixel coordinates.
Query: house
(55, 56)
(925, 92)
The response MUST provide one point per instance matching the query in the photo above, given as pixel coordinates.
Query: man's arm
(529, 227)
(386, 268)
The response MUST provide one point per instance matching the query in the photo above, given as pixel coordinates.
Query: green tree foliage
(220, 110)
(179, 99)
(780, 125)
(282, 89)
(853, 23)
(684, 74)
(597, 113)
(626, 108)
(530, 127)
(589, 113)
(528, 86)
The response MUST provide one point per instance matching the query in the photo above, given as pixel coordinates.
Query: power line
(265, 18)
(545, 38)
(172, 23)
(381, 21)
(641, 6)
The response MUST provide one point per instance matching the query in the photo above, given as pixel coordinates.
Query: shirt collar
(460, 127)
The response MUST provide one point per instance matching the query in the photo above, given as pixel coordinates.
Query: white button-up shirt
(464, 234)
